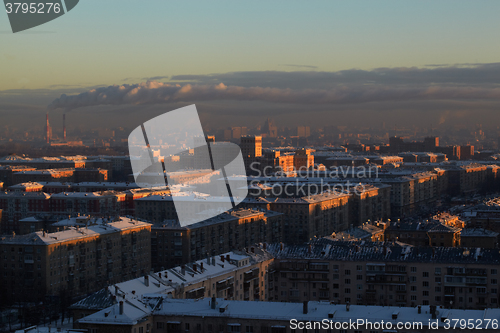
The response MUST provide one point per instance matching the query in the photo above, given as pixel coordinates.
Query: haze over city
(263, 166)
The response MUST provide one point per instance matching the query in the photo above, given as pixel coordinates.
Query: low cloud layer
(158, 93)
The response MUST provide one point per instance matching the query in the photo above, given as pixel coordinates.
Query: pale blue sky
(106, 41)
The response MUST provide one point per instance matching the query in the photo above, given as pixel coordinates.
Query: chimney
(183, 270)
(64, 126)
(433, 311)
(159, 275)
(252, 249)
(264, 246)
(146, 280)
(419, 309)
(48, 129)
(228, 258)
(222, 258)
(212, 304)
(310, 249)
(195, 267)
(121, 307)
(305, 307)
(213, 261)
(281, 246)
(201, 267)
(208, 259)
(116, 290)
(133, 292)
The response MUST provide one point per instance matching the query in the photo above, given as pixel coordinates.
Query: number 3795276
(33, 8)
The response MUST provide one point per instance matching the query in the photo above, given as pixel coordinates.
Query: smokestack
(121, 307)
(146, 280)
(48, 129)
(64, 126)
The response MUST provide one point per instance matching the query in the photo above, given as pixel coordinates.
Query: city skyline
(357, 63)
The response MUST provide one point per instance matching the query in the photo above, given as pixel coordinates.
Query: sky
(251, 43)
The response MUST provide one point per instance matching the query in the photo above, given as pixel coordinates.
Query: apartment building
(173, 245)
(467, 178)
(7, 172)
(44, 175)
(107, 203)
(478, 237)
(386, 274)
(19, 205)
(423, 233)
(412, 192)
(75, 261)
(308, 217)
(220, 315)
(235, 275)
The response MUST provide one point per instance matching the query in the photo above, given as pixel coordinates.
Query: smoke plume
(153, 92)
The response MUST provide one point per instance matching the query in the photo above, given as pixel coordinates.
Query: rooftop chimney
(159, 275)
(228, 257)
(183, 270)
(212, 304)
(195, 267)
(121, 307)
(305, 307)
(146, 280)
(201, 267)
(222, 258)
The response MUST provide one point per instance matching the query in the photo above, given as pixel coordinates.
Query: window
(359, 267)
(347, 272)
(493, 281)
(425, 284)
(249, 329)
(159, 325)
(413, 269)
(359, 277)
(186, 326)
(425, 274)
(425, 293)
(347, 281)
(437, 271)
(493, 271)
(347, 290)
